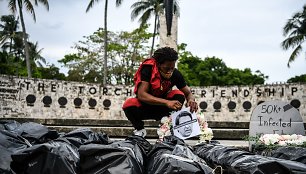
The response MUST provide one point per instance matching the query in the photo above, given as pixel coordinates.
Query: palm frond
(137, 8)
(137, 4)
(12, 6)
(29, 6)
(118, 2)
(296, 22)
(145, 17)
(292, 41)
(44, 2)
(3, 39)
(290, 25)
(91, 4)
(295, 32)
(294, 54)
(176, 8)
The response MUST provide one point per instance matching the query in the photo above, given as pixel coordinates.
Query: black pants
(136, 114)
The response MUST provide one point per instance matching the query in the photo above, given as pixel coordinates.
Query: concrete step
(116, 123)
(222, 134)
(123, 128)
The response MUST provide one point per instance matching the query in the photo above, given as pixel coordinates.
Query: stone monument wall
(41, 98)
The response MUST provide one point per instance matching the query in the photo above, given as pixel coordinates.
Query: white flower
(164, 120)
(269, 139)
(206, 134)
(303, 138)
(160, 133)
(164, 129)
(284, 137)
(282, 140)
(168, 133)
(282, 143)
(293, 137)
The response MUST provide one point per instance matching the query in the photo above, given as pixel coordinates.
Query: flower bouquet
(268, 142)
(206, 133)
(165, 128)
(275, 145)
(282, 140)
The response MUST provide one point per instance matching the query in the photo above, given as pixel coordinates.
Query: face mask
(166, 76)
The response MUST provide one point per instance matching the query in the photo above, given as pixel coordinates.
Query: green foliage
(69, 59)
(126, 51)
(251, 138)
(12, 64)
(51, 72)
(297, 79)
(187, 64)
(10, 39)
(212, 71)
(75, 75)
(295, 31)
(13, 5)
(12, 54)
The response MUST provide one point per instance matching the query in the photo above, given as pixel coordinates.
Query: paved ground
(234, 143)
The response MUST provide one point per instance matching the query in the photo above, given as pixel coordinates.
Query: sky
(243, 33)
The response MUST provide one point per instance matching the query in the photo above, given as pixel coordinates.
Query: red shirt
(159, 85)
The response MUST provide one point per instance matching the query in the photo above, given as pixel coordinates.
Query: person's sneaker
(141, 132)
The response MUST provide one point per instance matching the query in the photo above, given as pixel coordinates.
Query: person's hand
(193, 105)
(174, 104)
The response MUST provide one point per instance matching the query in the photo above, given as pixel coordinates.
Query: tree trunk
(154, 33)
(25, 41)
(11, 45)
(105, 45)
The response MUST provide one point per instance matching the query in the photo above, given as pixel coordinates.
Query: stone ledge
(116, 123)
(220, 134)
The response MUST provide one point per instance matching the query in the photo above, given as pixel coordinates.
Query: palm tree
(18, 4)
(8, 32)
(90, 5)
(148, 8)
(295, 29)
(36, 58)
(11, 43)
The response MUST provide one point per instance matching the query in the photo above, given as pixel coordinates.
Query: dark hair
(182, 114)
(165, 54)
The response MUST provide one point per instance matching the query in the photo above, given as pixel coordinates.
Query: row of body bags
(31, 148)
